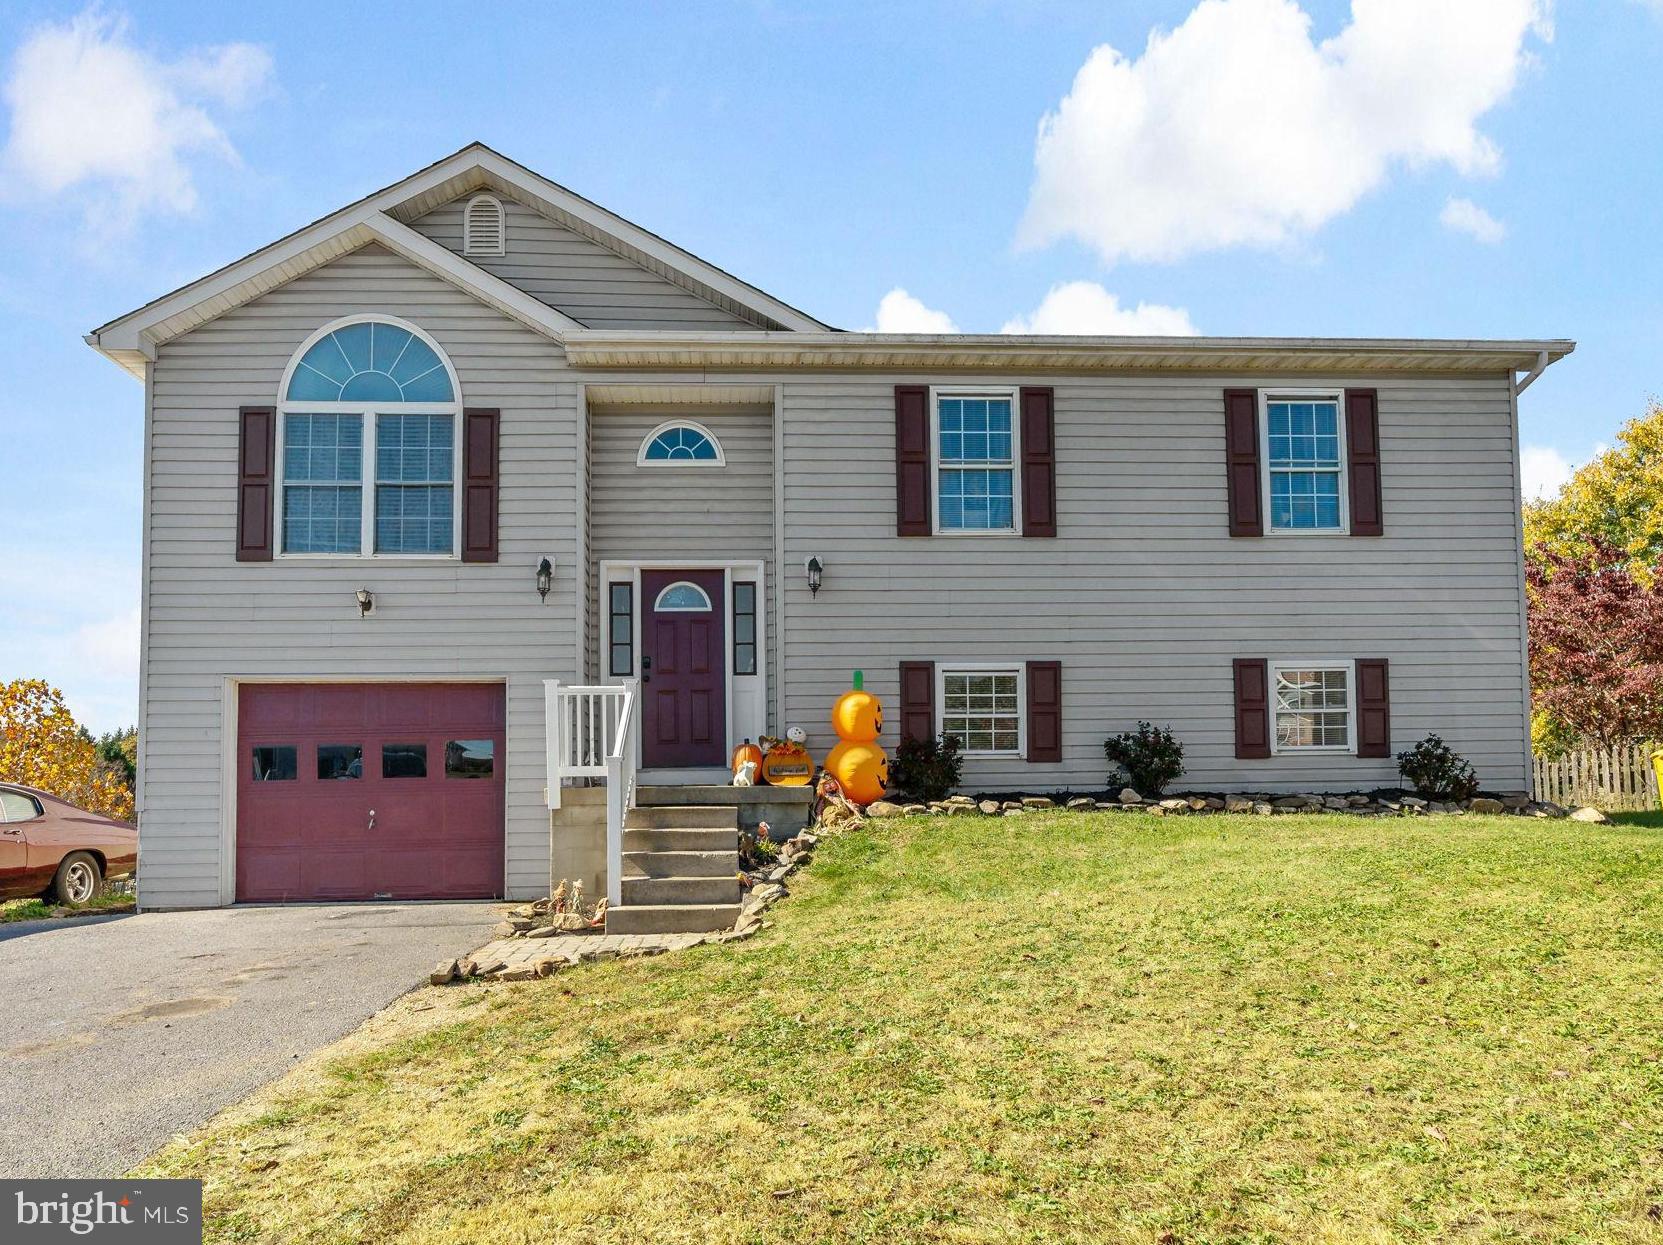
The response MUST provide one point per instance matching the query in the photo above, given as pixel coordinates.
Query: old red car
(50, 847)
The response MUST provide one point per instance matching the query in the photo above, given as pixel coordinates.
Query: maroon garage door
(369, 791)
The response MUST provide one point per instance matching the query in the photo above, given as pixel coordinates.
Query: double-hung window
(368, 445)
(1304, 462)
(981, 706)
(974, 439)
(1313, 707)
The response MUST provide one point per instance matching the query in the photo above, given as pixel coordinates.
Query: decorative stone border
(1357, 803)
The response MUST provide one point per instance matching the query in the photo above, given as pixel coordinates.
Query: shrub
(1151, 756)
(927, 768)
(1437, 771)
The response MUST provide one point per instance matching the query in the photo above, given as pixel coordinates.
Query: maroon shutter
(256, 462)
(479, 484)
(1362, 445)
(1374, 709)
(912, 460)
(1039, 463)
(1044, 711)
(1252, 676)
(917, 700)
(1241, 452)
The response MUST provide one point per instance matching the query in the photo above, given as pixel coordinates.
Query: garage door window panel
(470, 758)
(404, 760)
(275, 763)
(337, 761)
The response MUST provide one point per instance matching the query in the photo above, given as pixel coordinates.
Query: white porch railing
(591, 732)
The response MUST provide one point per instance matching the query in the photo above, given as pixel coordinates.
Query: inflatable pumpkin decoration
(858, 762)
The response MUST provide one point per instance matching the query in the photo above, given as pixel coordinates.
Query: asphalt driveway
(116, 1033)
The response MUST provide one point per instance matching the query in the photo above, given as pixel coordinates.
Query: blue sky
(1393, 167)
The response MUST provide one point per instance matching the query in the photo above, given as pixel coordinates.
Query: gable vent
(483, 228)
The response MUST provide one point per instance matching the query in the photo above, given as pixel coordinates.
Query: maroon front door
(683, 669)
(369, 791)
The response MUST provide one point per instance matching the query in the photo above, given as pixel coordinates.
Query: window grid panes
(622, 631)
(414, 498)
(1303, 452)
(975, 451)
(1313, 708)
(681, 444)
(323, 474)
(744, 628)
(682, 598)
(370, 362)
(981, 708)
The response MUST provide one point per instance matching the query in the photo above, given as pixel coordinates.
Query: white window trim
(1018, 668)
(366, 536)
(1316, 663)
(641, 459)
(468, 245)
(975, 391)
(1280, 392)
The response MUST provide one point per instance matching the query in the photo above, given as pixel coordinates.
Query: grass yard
(39, 909)
(1054, 1028)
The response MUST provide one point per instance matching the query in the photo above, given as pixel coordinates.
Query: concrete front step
(672, 918)
(682, 817)
(673, 864)
(648, 892)
(674, 839)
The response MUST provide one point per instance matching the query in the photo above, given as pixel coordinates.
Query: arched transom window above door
(682, 597)
(680, 443)
(367, 444)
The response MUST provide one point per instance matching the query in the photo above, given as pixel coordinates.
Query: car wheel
(78, 878)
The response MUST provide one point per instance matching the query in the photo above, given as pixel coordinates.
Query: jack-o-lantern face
(858, 717)
(861, 769)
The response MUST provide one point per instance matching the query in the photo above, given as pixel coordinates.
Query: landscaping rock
(1483, 805)
(884, 808)
(1514, 801)
(1237, 804)
(549, 966)
(1196, 803)
(1128, 796)
(1412, 801)
(991, 807)
(520, 972)
(1358, 801)
(1213, 804)
(1262, 809)
(488, 966)
(594, 955)
(1590, 815)
(1335, 803)
(1082, 802)
(911, 809)
(1293, 802)
(546, 931)
(1174, 805)
(444, 972)
(770, 892)
(505, 929)
(1012, 806)
(1036, 801)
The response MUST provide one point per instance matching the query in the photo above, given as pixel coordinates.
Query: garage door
(369, 791)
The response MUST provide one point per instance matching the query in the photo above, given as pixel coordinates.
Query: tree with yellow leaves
(41, 746)
(1616, 499)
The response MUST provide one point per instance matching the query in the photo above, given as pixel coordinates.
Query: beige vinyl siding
(211, 618)
(571, 273)
(694, 514)
(1143, 596)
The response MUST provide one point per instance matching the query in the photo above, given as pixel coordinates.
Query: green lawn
(38, 909)
(1054, 1028)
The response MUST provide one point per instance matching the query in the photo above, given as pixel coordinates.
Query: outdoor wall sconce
(366, 601)
(816, 571)
(545, 578)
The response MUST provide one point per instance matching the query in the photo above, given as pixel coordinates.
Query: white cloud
(1544, 471)
(1465, 216)
(900, 312)
(91, 110)
(1086, 307)
(1236, 129)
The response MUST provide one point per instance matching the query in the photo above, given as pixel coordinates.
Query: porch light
(545, 578)
(816, 571)
(366, 601)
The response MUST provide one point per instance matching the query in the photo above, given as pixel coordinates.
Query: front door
(683, 669)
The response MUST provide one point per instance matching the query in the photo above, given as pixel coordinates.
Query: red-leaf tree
(1596, 643)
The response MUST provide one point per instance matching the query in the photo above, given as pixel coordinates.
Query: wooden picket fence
(1616, 779)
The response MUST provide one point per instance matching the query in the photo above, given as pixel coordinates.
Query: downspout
(1519, 386)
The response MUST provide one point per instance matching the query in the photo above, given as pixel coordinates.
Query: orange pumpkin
(746, 751)
(861, 768)
(857, 717)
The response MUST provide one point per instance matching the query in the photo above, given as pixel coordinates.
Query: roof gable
(384, 217)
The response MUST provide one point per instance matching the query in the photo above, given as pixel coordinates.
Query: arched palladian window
(682, 597)
(680, 443)
(367, 443)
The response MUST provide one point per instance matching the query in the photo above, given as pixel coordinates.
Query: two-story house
(474, 489)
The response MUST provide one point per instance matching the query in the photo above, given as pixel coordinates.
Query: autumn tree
(1596, 643)
(41, 746)
(1617, 498)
